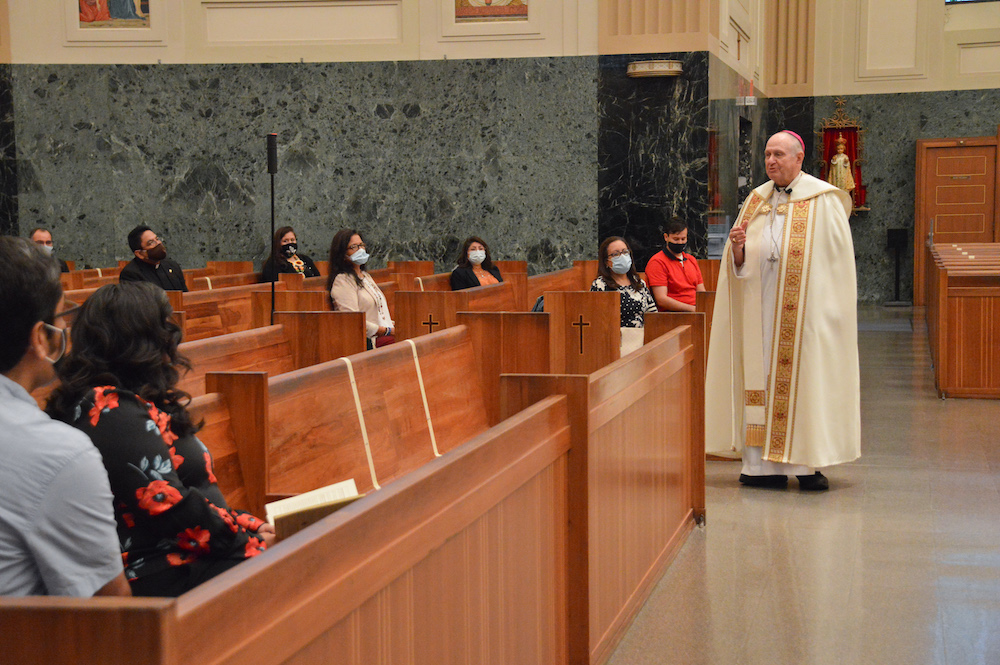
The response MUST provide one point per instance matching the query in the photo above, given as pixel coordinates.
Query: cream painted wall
(741, 44)
(203, 31)
(886, 46)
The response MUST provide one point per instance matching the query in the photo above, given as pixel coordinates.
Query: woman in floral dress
(615, 272)
(118, 387)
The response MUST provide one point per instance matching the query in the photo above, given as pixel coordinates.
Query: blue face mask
(621, 264)
(360, 257)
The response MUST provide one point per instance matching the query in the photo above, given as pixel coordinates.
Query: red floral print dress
(173, 522)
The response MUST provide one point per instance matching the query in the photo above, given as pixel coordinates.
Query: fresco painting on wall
(114, 13)
(468, 11)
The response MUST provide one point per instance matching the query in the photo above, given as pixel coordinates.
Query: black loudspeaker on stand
(897, 241)
(272, 168)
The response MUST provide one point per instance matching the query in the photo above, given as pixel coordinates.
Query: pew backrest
(439, 282)
(285, 301)
(222, 281)
(372, 416)
(265, 349)
(220, 311)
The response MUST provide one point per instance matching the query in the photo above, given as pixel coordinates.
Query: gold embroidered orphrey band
(780, 209)
(755, 398)
(751, 208)
(785, 337)
(755, 434)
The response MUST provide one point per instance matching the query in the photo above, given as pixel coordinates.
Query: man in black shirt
(151, 263)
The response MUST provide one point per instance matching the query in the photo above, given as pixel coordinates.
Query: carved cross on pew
(430, 323)
(581, 324)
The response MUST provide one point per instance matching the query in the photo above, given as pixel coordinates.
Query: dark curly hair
(124, 336)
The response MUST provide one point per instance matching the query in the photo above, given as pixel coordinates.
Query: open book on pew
(291, 515)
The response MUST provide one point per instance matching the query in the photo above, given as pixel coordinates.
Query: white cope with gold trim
(802, 404)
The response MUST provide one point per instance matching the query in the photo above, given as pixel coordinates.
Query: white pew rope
(361, 420)
(423, 395)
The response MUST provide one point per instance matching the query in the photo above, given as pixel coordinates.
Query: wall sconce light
(642, 68)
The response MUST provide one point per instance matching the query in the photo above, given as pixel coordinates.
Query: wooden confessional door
(956, 192)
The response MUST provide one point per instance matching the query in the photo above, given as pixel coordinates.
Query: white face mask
(621, 264)
(53, 330)
(360, 257)
(477, 256)
(48, 249)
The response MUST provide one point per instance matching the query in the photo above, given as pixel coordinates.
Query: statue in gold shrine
(840, 167)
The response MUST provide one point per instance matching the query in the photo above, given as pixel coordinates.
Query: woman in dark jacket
(285, 249)
(475, 266)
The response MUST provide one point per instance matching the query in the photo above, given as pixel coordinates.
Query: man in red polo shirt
(673, 274)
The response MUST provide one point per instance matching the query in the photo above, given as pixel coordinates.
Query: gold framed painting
(474, 11)
(115, 21)
(114, 13)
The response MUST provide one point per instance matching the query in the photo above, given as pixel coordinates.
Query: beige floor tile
(898, 563)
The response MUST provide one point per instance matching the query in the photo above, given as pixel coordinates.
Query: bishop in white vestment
(783, 388)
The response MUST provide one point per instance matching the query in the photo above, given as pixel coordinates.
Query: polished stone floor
(898, 563)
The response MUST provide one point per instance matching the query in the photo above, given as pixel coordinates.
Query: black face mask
(157, 254)
(290, 250)
(676, 247)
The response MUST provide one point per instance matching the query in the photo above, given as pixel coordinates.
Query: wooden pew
(88, 278)
(587, 529)
(438, 282)
(585, 330)
(284, 301)
(416, 400)
(511, 266)
(642, 467)
(467, 555)
(544, 342)
(577, 278)
(442, 282)
(417, 313)
(963, 318)
(298, 339)
(219, 311)
(710, 272)
(415, 268)
(705, 304)
(229, 267)
(506, 343)
(222, 281)
(398, 281)
(314, 283)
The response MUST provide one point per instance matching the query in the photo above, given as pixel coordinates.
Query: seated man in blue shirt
(57, 526)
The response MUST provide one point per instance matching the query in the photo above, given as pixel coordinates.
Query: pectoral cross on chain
(581, 324)
(430, 323)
